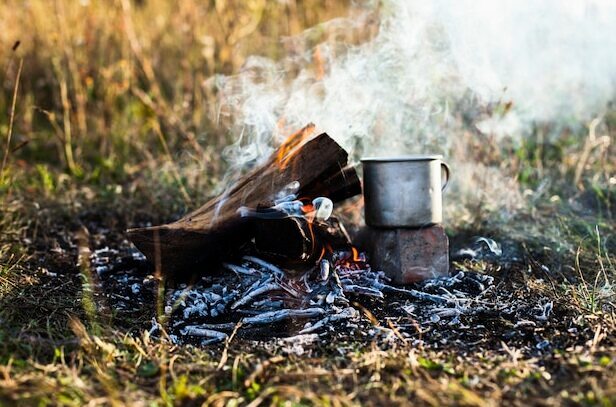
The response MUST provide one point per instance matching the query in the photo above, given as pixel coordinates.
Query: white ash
(469, 296)
(546, 310)
(272, 304)
(210, 335)
(543, 344)
(106, 260)
(492, 245)
(156, 327)
(100, 270)
(119, 281)
(45, 271)
(258, 293)
(103, 257)
(290, 206)
(297, 344)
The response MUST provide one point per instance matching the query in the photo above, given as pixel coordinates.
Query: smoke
(431, 71)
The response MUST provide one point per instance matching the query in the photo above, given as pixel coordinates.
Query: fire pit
(268, 250)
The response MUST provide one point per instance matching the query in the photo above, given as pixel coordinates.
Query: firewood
(286, 240)
(294, 240)
(215, 230)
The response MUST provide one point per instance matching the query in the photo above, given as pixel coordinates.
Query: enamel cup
(404, 192)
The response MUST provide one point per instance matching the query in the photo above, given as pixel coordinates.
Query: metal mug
(404, 191)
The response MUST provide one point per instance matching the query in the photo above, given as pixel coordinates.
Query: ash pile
(256, 295)
(347, 300)
(266, 258)
(343, 297)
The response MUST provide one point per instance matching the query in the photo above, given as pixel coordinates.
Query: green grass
(102, 135)
(56, 351)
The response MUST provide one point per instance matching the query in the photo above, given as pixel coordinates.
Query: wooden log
(287, 240)
(341, 183)
(296, 241)
(217, 229)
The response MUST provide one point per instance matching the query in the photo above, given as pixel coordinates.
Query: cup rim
(403, 158)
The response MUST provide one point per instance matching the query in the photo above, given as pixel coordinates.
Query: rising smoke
(432, 71)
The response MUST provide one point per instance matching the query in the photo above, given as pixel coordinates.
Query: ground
(105, 134)
(63, 343)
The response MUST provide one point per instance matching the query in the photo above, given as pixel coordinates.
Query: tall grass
(109, 86)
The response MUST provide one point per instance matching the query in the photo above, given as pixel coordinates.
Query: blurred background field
(114, 91)
(110, 90)
(108, 116)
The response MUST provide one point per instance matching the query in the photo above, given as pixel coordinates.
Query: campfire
(268, 250)
(284, 204)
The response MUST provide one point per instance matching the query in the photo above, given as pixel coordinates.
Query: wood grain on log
(216, 229)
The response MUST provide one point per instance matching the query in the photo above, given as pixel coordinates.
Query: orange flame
(322, 254)
(307, 208)
(289, 147)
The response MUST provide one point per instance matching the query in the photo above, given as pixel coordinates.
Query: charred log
(213, 231)
(295, 240)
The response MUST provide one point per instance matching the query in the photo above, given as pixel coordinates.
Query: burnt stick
(216, 229)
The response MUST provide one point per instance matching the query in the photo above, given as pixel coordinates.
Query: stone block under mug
(407, 255)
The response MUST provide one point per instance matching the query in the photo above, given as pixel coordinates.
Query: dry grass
(110, 86)
(112, 127)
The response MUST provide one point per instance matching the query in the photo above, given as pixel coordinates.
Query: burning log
(297, 240)
(304, 167)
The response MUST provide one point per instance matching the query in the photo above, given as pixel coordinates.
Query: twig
(194, 330)
(347, 313)
(357, 289)
(275, 316)
(239, 270)
(416, 294)
(396, 331)
(225, 351)
(253, 294)
(267, 266)
(9, 134)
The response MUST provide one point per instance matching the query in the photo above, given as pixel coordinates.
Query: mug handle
(447, 172)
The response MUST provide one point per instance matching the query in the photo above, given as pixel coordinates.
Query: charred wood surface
(294, 240)
(217, 229)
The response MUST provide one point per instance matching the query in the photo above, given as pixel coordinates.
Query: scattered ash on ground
(497, 293)
(342, 299)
